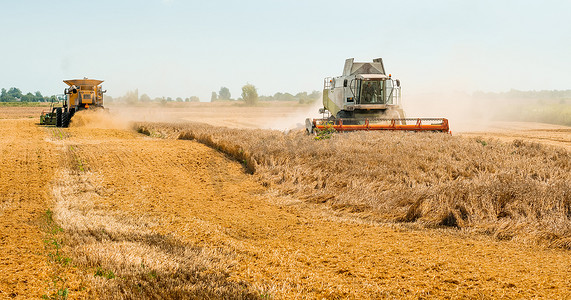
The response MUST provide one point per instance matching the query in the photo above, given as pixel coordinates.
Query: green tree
(13, 94)
(302, 97)
(194, 99)
(278, 96)
(288, 97)
(29, 97)
(250, 94)
(213, 97)
(145, 98)
(178, 99)
(283, 97)
(38, 97)
(224, 93)
(3, 95)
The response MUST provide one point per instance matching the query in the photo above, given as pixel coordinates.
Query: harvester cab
(79, 95)
(363, 91)
(366, 98)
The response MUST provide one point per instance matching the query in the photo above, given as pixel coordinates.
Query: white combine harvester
(366, 98)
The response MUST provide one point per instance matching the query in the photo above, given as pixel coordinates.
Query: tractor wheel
(58, 117)
(65, 119)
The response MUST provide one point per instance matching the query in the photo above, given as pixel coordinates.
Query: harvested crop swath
(517, 190)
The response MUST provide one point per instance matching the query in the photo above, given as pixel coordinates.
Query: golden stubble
(126, 254)
(517, 190)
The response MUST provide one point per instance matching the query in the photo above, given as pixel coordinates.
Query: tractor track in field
(27, 167)
(195, 195)
(140, 206)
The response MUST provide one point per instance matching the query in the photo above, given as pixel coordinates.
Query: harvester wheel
(58, 117)
(71, 112)
(65, 119)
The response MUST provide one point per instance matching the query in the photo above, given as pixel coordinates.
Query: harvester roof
(372, 76)
(88, 82)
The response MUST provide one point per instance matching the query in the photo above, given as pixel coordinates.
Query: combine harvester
(81, 94)
(365, 98)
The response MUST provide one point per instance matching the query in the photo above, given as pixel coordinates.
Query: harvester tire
(71, 112)
(65, 119)
(58, 117)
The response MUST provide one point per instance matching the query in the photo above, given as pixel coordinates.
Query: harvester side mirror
(398, 82)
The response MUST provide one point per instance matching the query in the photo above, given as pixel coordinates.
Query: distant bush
(250, 94)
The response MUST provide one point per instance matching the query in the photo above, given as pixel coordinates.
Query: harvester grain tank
(366, 98)
(79, 95)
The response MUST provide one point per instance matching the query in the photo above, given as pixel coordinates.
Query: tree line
(15, 95)
(562, 95)
(250, 96)
(302, 97)
(249, 91)
(132, 97)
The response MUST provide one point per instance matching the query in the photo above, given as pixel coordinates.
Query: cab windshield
(376, 92)
(372, 92)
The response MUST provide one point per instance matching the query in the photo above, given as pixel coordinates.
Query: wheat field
(188, 210)
(511, 191)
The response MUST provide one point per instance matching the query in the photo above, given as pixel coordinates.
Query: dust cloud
(462, 111)
(295, 119)
(97, 119)
(277, 115)
(119, 117)
(466, 113)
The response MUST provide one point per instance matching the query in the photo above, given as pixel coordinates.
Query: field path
(289, 249)
(27, 166)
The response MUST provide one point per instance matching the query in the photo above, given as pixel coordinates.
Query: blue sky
(182, 48)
